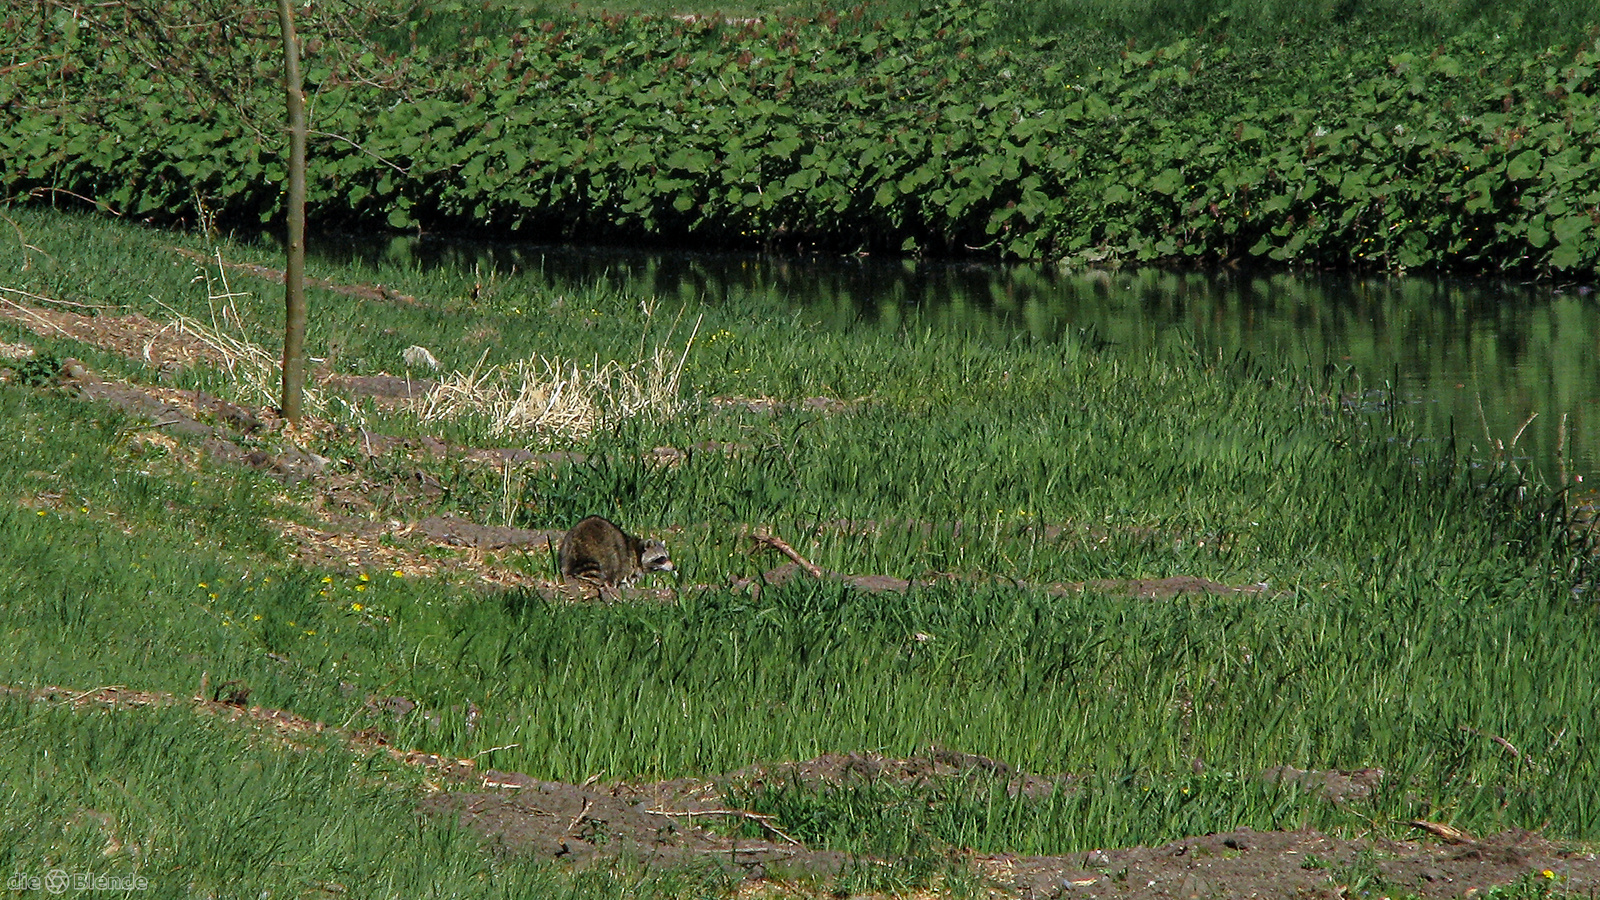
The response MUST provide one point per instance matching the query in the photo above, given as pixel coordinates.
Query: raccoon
(596, 551)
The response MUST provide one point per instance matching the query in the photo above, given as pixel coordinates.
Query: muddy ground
(349, 524)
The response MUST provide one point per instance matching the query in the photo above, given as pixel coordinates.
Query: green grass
(1410, 598)
(197, 807)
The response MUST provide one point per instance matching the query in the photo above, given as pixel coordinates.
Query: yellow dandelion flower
(357, 607)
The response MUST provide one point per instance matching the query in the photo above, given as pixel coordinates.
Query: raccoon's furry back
(598, 551)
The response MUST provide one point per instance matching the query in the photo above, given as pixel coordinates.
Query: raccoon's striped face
(653, 557)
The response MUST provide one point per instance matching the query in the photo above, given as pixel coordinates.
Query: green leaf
(1167, 182)
(1566, 256)
(1570, 232)
(1524, 165)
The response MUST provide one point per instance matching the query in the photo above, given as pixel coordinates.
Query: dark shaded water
(1515, 370)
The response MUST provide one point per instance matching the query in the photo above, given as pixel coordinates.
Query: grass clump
(548, 399)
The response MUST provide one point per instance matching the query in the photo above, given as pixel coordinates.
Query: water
(1514, 370)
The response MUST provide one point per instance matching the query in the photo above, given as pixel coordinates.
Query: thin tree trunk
(294, 331)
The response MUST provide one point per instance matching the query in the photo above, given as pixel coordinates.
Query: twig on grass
(1515, 753)
(763, 536)
(1442, 831)
(73, 700)
(31, 314)
(98, 307)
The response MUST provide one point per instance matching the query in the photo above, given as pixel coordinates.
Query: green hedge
(912, 134)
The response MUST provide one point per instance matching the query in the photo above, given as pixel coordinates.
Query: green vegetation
(200, 808)
(940, 131)
(1085, 27)
(1413, 606)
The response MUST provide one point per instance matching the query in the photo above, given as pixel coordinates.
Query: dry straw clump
(543, 398)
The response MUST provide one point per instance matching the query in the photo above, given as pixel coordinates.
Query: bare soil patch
(1300, 864)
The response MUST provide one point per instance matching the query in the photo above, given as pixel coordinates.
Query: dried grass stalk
(256, 373)
(547, 397)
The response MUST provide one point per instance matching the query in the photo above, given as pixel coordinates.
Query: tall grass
(198, 808)
(1092, 684)
(1415, 609)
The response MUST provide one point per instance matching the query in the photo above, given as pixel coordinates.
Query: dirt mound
(836, 770)
(663, 823)
(1297, 864)
(669, 824)
(580, 825)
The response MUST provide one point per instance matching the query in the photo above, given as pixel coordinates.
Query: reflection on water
(1447, 348)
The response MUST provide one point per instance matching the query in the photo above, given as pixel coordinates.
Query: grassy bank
(1402, 609)
(959, 129)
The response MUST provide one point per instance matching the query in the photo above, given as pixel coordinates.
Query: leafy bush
(916, 133)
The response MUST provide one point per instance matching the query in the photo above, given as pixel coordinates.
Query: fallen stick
(762, 536)
(1448, 834)
(572, 827)
(1504, 744)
